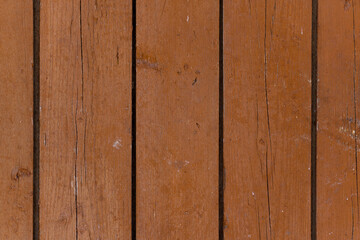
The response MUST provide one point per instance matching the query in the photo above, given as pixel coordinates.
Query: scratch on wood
(355, 101)
(117, 55)
(265, 85)
(82, 61)
(352, 220)
(268, 122)
(259, 225)
(84, 146)
(272, 21)
(82, 107)
(76, 158)
(257, 134)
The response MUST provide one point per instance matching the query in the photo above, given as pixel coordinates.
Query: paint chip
(117, 144)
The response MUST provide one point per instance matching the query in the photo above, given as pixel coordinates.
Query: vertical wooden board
(16, 127)
(338, 126)
(85, 100)
(60, 81)
(177, 119)
(105, 169)
(267, 106)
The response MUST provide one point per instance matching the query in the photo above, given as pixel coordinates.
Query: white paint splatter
(187, 18)
(117, 144)
(302, 32)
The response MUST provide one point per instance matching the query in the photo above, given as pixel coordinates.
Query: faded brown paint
(267, 106)
(85, 188)
(85, 119)
(177, 119)
(338, 120)
(16, 108)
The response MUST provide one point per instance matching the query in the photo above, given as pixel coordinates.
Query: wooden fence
(179, 119)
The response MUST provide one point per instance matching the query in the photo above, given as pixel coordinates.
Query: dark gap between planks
(221, 122)
(36, 117)
(133, 125)
(314, 64)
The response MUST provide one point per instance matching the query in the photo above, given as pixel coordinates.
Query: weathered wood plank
(177, 119)
(338, 124)
(16, 127)
(267, 106)
(85, 156)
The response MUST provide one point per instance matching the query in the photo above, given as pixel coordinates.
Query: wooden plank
(85, 176)
(16, 110)
(177, 119)
(338, 124)
(267, 106)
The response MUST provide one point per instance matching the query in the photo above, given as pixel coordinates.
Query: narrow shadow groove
(133, 125)
(221, 122)
(314, 81)
(355, 101)
(36, 117)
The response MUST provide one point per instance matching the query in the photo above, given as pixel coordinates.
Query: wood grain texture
(177, 119)
(338, 123)
(16, 127)
(85, 154)
(267, 106)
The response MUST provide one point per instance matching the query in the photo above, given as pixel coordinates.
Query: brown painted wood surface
(338, 123)
(86, 119)
(177, 119)
(85, 130)
(16, 127)
(267, 101)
